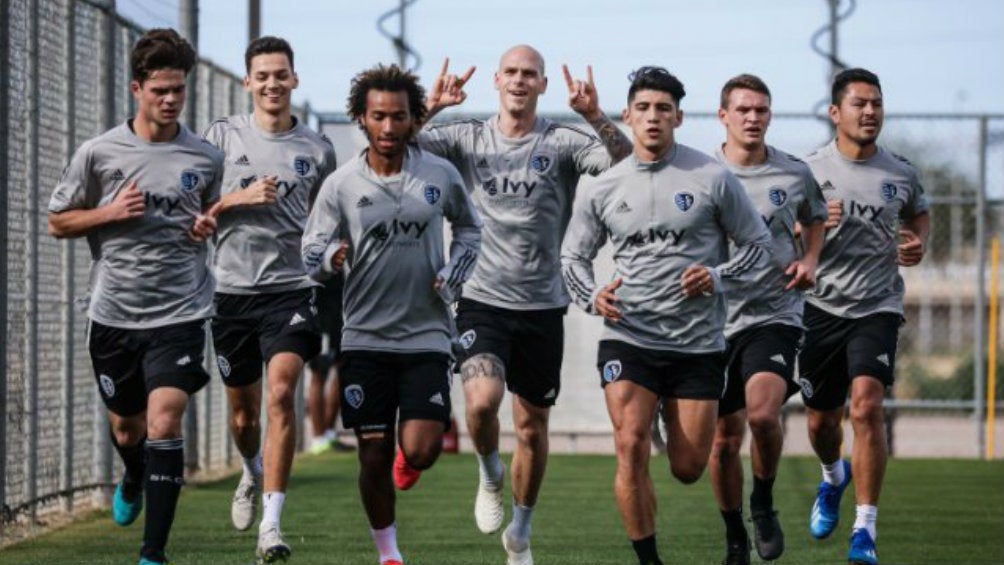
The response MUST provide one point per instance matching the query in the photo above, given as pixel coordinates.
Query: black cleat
(767, 534)
(737, 554)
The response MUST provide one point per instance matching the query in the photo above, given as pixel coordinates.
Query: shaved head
(520, 51)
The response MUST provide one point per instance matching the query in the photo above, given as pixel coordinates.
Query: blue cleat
(826, 509)
(123, 511)
(145, 561)
(862, 548)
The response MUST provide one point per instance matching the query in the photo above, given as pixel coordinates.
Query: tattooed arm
(582, 98)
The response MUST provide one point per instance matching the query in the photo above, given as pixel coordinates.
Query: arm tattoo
(617, 144)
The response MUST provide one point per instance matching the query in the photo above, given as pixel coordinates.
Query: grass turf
(932, 512)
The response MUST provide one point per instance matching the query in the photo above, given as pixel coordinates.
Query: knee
(244, 419)
(128, 435)
(532, 434)
(867, 412)
(423, 457)
(687, 472)
(281, 399)
(482, 408)
(726, 447)
(632, 447)
(375, 454)
(165, 425)
(763, 422)
(824, 423)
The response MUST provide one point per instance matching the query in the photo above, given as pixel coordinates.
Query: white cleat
(271, 546)
(244, 509)
(488, 510)
(518, 550)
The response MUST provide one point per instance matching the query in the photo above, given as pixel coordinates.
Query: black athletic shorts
(669, 374)
(128, 364)
(329, 315)
(839, 349)
(771, 348)
(376, 385)
(530, 344)
(250, 328)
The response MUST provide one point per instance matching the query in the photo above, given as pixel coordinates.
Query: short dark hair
(743, 81)
(848, 76)
(267, 44)
(387, 79)
(655, 78)
(160, 48)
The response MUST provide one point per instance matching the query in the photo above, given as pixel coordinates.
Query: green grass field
(932, 511)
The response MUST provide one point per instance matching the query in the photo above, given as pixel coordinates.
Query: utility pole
(254, 20)
(399, 44)
(834, 40)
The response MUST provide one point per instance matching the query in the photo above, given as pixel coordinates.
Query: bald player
(522, 170)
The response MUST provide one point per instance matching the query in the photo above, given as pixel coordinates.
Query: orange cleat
(405, 476)
(392, 562)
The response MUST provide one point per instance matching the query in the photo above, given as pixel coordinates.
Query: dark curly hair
(387, 79)
(158, 49)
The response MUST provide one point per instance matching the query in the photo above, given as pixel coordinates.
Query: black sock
(735, 530)
(762, 498)
(165, 475)
(134, 458)
(648, 553)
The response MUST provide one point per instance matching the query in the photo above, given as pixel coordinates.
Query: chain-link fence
(938, 402)
(64, 71)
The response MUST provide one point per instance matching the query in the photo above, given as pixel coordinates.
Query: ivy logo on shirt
(190, 180)
(540, 163)
(354, 396)
(302, 165)
(889, 191)
(777, 196)
(432, 194)
(684, 200)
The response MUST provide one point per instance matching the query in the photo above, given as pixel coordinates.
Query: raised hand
(128, 203)
(696, 280)
(448, 90)
(606, 300)
(582, 95)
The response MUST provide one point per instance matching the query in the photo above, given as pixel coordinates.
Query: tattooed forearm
(617, 144)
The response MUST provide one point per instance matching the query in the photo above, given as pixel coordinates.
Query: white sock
(386, 542)
(272, 507)
(833, 473)
(520, 526)
(866, 515)
(490, 469)
(252, 465)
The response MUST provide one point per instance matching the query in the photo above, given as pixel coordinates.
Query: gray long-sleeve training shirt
(394, 228)
(661, 218)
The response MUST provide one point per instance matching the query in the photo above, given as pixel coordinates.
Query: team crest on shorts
(806, 387)
(224, 366)
(107, 385)
(432, 194)
(777, 196)
(889, 191)
(467, 339)
(190, 180)
(354, 396)
(541, 162)
(684, 201)
(302, 165)
(612, 370)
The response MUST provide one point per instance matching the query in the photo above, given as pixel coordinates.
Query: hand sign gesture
(582, 94)
(448, 90)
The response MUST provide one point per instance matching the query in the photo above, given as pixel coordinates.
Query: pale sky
(931, 55)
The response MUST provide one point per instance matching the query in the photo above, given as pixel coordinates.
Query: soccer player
(324, 398)
(764, 324)
(265, 309)
(381, 217)
(522, 171)
(138, 193)
(852, 317)
(669, 212)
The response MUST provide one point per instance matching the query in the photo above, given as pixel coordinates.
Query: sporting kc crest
(190, 180)
(777, 196)
(684, 200)
(302, 165)
(432, 194)
(889, 191)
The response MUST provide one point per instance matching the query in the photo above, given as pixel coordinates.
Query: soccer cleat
(271, 547)
(767, 534)
(862, 548)
(826, 509)
(518, 551)
(145, 561)
(392, 562)
(319, 445)
(737, 554)
(244, 508)
(488, 510)
(124, 511)
(405, 476)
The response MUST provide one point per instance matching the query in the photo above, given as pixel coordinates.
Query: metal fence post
(68, 318)
(4, 192)
(31, 260)
(979, 313)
